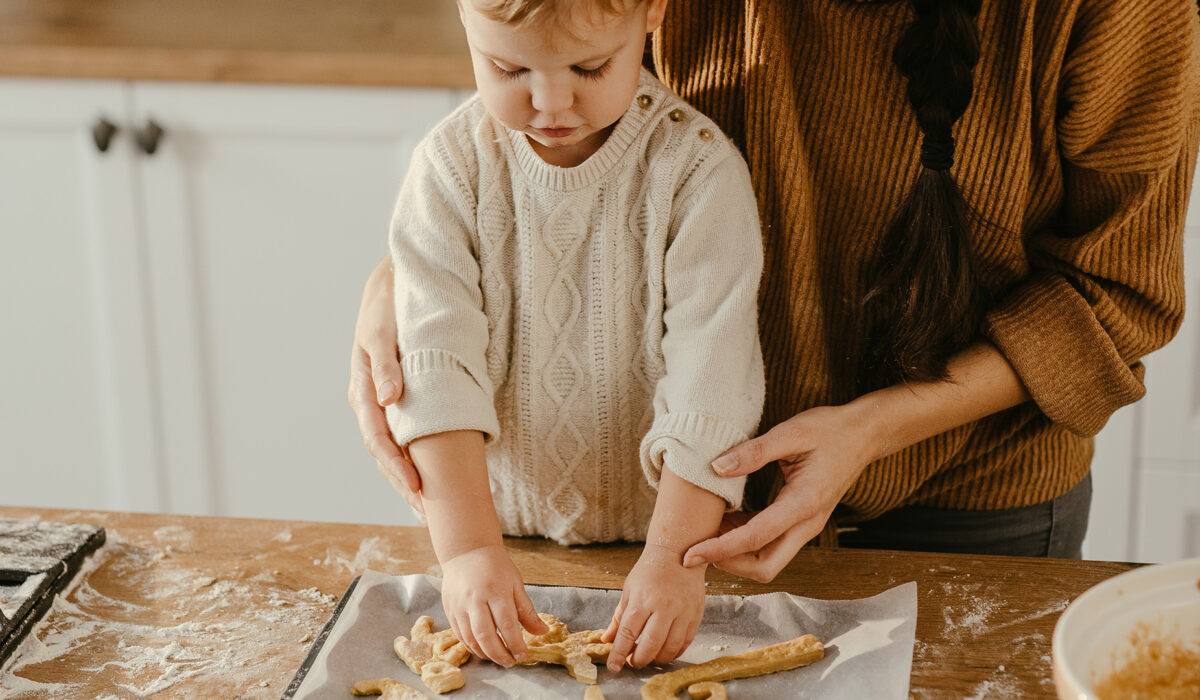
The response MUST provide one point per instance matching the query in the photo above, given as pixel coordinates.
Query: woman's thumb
(749, 456)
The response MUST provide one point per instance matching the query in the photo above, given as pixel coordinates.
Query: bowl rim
(1127, 578)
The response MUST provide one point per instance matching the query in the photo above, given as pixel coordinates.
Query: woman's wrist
(880, 422)
(980, 383)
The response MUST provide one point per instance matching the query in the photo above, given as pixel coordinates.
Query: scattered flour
(969, 620)
(370, 551)
(999, 686)
(153, 627)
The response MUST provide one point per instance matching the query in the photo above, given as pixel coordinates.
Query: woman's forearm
(981, 382)
(455, 492)
(684, 514)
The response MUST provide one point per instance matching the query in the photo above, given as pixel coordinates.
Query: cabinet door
(267, 206)
(1169, 488)
(77, 424)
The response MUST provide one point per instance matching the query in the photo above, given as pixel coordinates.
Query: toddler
(577, 257)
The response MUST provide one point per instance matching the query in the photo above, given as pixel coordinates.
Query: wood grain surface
(222, 607)
(347, 42)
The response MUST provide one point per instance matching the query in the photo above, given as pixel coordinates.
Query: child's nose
(552, 96)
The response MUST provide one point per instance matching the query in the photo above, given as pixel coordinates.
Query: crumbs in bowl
(1159, 667)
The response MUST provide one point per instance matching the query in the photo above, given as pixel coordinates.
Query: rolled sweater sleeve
(1105, 285)
(711, 394)
(442, 328)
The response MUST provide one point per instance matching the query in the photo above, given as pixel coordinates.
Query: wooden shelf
(415, 43)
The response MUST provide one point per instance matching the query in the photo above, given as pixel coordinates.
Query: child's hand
(659, 612)
(485, 600)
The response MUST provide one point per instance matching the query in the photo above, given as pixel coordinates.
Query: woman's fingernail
(692, 560)
(387, 390)
(724, 464)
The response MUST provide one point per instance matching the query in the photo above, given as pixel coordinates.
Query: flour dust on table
(111, 623)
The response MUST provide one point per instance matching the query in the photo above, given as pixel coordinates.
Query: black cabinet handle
(103, 132)
(149, 136)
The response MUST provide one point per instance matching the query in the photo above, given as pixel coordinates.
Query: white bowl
(1094, 634)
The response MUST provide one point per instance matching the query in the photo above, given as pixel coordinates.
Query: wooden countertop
(225, 607)
(342, 42)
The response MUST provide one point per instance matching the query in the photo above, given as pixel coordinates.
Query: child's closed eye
(596, 73)
(508, 74)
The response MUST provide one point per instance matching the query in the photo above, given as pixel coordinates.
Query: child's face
(562, 86)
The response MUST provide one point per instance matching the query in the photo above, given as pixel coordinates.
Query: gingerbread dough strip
(707, 690)
(757, 662)
(389, 688)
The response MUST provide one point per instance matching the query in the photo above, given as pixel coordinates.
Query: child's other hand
(485, 601)
(660, 610)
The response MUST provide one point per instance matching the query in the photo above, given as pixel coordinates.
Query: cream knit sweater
(572, 313)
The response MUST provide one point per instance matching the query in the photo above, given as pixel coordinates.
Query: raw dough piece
(576, 650)
(444, 645)
(434, 655)
(707, 690)
(390, 688)
(593, 693)
(756, 662)
(556, 633)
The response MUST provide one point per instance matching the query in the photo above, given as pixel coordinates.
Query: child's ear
(655, 10)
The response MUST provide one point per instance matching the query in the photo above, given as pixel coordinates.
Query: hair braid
(926, 302)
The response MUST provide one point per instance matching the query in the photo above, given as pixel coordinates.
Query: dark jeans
(1052, 529)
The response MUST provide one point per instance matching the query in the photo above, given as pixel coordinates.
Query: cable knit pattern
(573, 313)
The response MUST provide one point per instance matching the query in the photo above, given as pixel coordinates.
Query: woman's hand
(660, 610)
(821, 452)
(485, 600)
(376, 381)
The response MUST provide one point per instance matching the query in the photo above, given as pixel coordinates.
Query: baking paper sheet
(869, 643)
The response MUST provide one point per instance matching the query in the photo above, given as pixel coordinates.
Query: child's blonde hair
(522, 13)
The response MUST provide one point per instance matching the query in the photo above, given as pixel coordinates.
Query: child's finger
(611, 632)
(528, 615)
(483, 626)
(677, 640)
(463, 633)
(509, 629)
(650, 641)
(632, 621)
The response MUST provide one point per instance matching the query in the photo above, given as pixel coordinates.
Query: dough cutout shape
(388, 688)
(756, 662)
(436, 656)
(577, 651)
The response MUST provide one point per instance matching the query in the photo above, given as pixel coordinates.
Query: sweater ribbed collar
(612, 150)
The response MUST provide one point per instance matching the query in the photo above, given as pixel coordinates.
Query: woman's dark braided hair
(926, 302)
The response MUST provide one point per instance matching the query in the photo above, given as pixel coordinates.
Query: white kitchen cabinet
(79, 424)
(1146, 469)
(187, 315)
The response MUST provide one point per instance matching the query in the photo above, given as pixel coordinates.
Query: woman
(972, 216)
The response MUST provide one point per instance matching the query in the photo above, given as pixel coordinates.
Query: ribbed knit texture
(1077, 149)
(573, 313)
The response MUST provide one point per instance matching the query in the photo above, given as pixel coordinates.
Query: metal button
(644, 101)
(675, 115)
(705, 135)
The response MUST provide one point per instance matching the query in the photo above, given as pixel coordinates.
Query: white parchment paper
(869, 643)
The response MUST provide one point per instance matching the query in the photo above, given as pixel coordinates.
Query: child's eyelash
(593, 73)
(510, 74)
(597, 73)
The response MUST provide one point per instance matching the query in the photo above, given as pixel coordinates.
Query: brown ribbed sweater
(1078, 146)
